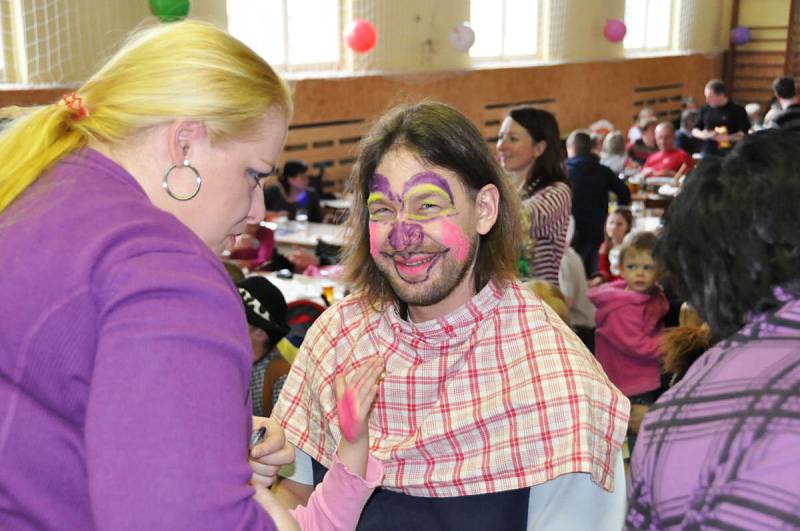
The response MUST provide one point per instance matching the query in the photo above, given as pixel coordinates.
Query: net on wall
(61, 42)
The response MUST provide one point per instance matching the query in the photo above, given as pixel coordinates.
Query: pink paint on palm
(350, 422)
(454, 238)
(374, 243)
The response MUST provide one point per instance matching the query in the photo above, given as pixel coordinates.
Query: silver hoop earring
(197, 179)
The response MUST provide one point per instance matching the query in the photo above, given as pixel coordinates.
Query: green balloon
(170, 10)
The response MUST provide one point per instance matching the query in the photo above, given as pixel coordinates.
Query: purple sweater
(628, 335)
(124, 364)
(720, 449)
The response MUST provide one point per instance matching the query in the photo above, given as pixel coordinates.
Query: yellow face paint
(442, 198)
(375, 196)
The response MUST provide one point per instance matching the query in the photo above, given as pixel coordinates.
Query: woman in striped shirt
(529, 149)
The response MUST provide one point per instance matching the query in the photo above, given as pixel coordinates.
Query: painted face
(516, 148)
(231, 195)
(639, 271)
(616, 228)
(422, 232)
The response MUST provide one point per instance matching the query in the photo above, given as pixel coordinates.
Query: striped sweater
(549, 210)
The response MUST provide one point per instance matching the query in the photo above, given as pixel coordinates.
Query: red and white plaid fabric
(498, 395)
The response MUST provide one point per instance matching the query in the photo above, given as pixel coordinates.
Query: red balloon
(614, 30)
(360, 35)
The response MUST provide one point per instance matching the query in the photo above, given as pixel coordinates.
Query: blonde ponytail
(31, 144)
(183, 69)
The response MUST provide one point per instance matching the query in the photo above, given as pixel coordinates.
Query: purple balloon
(614, 30)
(740, 35)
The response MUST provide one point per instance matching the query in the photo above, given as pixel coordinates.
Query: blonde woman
(124, 353)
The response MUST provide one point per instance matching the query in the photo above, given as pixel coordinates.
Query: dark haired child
(292, 194)
(629, 326)
(618, 224)
(266, 311)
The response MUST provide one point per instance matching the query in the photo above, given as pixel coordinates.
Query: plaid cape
(498, 395)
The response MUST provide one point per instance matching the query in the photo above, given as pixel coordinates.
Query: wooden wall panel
(331, 114)
(753, 73)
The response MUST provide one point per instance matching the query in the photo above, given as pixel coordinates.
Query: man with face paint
(492, 414)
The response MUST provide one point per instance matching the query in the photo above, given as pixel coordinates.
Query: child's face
(258, 340)
(616, 228)
(639, 270)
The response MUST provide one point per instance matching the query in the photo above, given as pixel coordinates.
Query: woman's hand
(267, 457)
(284, 521)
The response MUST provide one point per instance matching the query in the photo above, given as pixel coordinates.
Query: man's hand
(267, 457)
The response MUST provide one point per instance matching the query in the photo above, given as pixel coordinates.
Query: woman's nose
(257, 208)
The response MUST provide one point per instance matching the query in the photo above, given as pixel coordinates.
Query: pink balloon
(462, 37)
(614, 30)
(360, 35)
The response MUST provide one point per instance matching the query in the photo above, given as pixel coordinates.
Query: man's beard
(447, 273)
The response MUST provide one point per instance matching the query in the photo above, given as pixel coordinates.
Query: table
(306, 234)
(650, 223)
(337, 204)
(303, 287)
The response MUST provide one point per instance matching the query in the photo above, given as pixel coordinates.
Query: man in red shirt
(668, 159)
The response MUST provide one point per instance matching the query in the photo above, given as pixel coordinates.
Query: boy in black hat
(266, 312)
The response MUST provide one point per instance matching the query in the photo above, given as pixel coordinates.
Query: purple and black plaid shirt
(721, 449)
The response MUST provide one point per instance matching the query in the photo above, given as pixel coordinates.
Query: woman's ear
(539, 147)
(487, 204)
(183, 136)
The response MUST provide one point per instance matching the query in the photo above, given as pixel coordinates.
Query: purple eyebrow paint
(380, 185)
(431, 178)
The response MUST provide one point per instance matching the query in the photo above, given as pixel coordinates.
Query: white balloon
(462, 37)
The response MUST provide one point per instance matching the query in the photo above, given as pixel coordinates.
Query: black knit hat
(265, 307)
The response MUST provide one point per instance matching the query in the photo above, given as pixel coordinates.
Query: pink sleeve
(636, 334)
(337, 502)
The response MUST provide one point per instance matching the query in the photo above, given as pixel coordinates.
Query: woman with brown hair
(529, 148)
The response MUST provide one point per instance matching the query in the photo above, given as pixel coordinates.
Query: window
(3, 78)
(648, 23)
(504, 28)
(286, 34)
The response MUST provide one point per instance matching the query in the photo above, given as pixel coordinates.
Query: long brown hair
(626, 214)
(440, 136)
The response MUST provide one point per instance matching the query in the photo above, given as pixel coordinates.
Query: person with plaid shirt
(719, 449)
(492, 414)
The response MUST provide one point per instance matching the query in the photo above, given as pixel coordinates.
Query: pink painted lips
(415, 267)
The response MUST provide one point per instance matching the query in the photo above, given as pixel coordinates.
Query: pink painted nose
(405, 235)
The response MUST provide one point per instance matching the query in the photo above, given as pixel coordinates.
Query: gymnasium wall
(332, 114)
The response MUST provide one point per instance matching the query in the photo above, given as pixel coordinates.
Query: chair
(300, 315)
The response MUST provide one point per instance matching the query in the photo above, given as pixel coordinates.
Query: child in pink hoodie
(629, 322)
